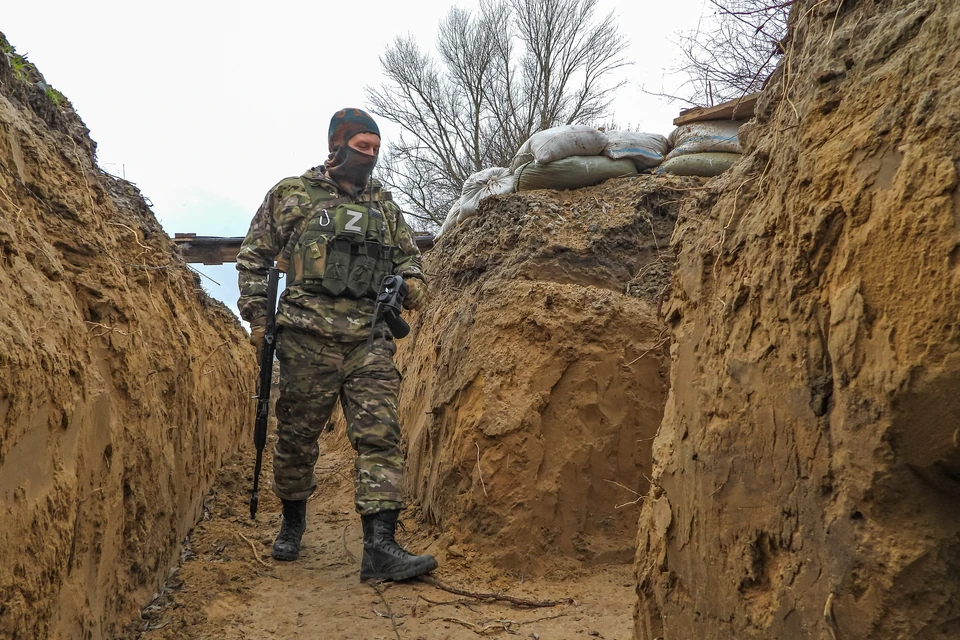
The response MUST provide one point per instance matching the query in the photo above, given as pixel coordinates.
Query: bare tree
(733, 51)
(501, 73)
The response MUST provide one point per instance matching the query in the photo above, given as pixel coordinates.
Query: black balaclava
(349, 168)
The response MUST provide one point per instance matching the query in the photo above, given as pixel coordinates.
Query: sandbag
(646, 150)
(558, 143)
(572, 173)
(705, 165)
(451, 220)
(483, 184)
(713, 136)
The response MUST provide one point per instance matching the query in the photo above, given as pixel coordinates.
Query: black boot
(287, 544)
(383, 558)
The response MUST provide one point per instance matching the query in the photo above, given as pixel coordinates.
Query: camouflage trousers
(314, 373)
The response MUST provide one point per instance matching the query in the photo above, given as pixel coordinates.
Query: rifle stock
(267, 351)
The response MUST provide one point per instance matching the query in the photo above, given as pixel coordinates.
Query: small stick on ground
(463, 601)
(253, 547)
(559, 615)
(496, 627)
(393, 619)
(520, 602)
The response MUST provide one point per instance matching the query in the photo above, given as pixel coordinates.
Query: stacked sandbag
(574, 172)
(566, 157)
(703, 149)
(705, 165)
(558, 143)
(451, 220)
(483, 184)
(576, 156)
(645, 150)
(480, 185)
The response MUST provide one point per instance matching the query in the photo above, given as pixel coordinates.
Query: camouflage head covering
(347, 123)
(349, 168)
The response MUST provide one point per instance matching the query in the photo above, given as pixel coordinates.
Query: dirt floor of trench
(228, 587)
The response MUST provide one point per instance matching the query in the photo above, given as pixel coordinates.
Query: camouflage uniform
(322, 348)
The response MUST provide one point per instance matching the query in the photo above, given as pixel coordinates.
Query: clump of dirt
(808, 466)
(123, 385)
(534, 381)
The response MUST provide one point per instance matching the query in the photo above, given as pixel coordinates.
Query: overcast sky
(206, 104)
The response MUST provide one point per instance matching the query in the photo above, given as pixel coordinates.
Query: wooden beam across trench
(218, 250)
(740, 109)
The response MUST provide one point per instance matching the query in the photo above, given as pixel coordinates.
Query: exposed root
(391, 615)
(499, 597)
(466, 602)
(480, 471)
(108, 329)
(493, 627)
(202, 364)
(640, 496)
(489, 628)
(76, 528)
(661, 341)
(253, 547)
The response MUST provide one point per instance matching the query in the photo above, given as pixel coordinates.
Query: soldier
(336, 236)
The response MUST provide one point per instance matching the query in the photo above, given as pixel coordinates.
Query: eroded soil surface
(227, 586)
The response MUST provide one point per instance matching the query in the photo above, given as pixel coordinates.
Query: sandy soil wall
(808, 469)
(535, 380)
(122, 385)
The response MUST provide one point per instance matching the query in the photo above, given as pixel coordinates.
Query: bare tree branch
(733, 52)
(502, 72)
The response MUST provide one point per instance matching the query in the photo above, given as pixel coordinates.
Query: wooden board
(739, 109)
(208, 249)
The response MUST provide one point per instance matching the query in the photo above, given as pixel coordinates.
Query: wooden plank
(739, 109)
(424, 241)
(208, 249)
(219, 250)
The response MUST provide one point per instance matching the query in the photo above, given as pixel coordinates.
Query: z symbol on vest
(352, 223)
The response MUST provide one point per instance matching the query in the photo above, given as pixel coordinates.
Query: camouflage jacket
(286, 205)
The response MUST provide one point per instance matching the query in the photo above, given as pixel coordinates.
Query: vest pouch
(310, 264)
(336, 270)
(351, 221)
(375, 225)
(296, 269)
(362, 268)
(309, 256)
(382, 268)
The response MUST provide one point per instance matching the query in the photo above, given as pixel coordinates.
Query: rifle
(389, 305)
(267, 351)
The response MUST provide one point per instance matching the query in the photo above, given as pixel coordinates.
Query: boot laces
(393, 548)
(388, 541)
(291, 528)
(289, 532)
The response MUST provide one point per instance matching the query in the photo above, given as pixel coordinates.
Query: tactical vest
(341, 250)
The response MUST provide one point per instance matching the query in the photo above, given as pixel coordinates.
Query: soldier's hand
(416, 294)
(257, 329)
